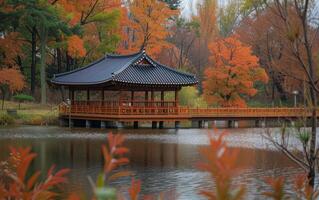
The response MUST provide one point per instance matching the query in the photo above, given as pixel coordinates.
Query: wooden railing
(250, 112)
(122, 108)
(168, 108)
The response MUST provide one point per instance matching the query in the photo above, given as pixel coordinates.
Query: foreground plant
(301, 190)
(303, 157)
(221, 163)
(15, 184)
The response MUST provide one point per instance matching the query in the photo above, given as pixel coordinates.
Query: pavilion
(123, 88)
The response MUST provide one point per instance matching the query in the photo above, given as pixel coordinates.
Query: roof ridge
(121, 56)
(170, 68)
(142, 53)
(79, 69)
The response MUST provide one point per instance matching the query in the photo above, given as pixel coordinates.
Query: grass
(29, 113)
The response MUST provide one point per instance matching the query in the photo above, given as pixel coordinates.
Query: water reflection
(162, 159)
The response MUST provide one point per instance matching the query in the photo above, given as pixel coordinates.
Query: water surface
(163, 159)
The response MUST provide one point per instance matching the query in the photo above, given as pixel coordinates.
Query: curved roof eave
(135, 58)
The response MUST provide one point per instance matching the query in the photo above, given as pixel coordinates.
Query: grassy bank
(29, 114)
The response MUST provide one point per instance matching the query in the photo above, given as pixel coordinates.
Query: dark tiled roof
(125, 69)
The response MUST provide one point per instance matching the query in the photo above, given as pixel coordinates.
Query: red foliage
(10, 75)
(135, 189)
(114, 153)
(15, 185)
(149, 20)
(277, 188)
(76, 47)
(221, 163)
(301, 188)
(233, 73)
(12, 78)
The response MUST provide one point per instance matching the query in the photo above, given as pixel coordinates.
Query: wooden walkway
(159, 111)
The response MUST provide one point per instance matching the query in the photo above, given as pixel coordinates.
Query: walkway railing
(168, 108)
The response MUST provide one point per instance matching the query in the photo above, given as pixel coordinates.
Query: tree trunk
(3, 96)
(312, 170)
(59, 59)
(67, 61)
(44, 35)
(33, 60)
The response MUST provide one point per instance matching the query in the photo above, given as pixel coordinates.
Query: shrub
(6, 119)
(23, 97)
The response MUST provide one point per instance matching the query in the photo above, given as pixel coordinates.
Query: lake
(163, 159)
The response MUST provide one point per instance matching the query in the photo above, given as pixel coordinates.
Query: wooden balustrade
(153, 108)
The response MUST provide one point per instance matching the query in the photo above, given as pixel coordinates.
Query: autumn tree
(11, 79)
(99, 23)
(299, 31)
(150, 19)
(207, 20)
(233, 73)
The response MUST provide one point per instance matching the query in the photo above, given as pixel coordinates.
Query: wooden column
(146, 98)
(152, 98)
(102, 97)
(87, 96)
(132, 98)
(71, 94)
(176, 98)
(162, 98)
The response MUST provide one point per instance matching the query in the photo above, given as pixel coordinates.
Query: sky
(186, 6)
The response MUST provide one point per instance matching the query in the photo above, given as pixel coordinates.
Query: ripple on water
(158, 169)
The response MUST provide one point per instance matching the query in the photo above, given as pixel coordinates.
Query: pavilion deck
(169, 111)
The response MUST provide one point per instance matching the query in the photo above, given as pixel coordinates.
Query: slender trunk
(3, 96)
(62, 93)
(44, 36)
(67, 61)
(33, 60)
(313, 94)
(312, 170)
(59, 59)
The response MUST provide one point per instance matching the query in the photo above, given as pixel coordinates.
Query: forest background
(240, 50)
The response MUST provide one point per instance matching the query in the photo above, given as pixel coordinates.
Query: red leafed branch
(14, 184)
(221, 163)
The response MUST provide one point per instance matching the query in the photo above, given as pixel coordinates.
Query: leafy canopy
(233, 73)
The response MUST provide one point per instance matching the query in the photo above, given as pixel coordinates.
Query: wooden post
(132, 98)
(102, 97)
(88, 96)
(152, 98)
(162, 98)
(72, 96)
(146, 99)
(176, 98)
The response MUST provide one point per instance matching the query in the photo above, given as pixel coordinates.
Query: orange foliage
(221, 162)
(233, 73)
(76, 47)
(12, 78)
(88, 13)
(302, 190)
(10, 75)
(73, 196)
(10, 48)
(149, 23)
(135, 189)
(14, 183)
(272, 42)
(206, 17)
(113, 155)
(277, 188)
